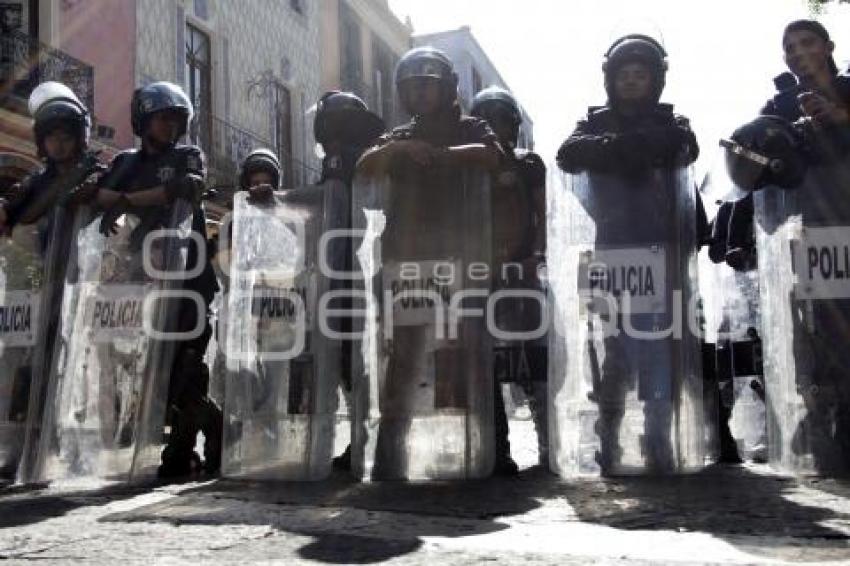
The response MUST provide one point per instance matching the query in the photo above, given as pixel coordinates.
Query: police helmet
(495, 103)
(345, 118)
(53, 105)
(260, 160)
(427, 62)
(156, 97)
(496, 99)
(765, 151)
(636, 48)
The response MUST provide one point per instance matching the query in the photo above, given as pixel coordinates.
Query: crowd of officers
(629, 135)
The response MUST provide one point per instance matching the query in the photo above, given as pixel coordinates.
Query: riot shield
(805, 294)
(22, 261)
(283, 369)
(113, 354)
(424, 402)
(625, 390)
(521, 318)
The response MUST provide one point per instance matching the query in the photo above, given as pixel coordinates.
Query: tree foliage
(816, 6)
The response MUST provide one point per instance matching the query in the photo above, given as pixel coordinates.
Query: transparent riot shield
(805, 294)
(521, 318)
(625, 387)
(283, 370)
(21, 289)
(733, 329)
(113, 354)
(424, 403)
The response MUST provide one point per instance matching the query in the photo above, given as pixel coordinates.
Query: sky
(723, 54)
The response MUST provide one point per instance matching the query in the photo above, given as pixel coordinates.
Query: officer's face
(60, 146)
(421, 95)
(164, 127)
(501, 123)
(260, 178)
(806, 54)
(633, 82)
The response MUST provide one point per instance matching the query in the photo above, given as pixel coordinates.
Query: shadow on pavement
(27, 505)
(751, 509)
(351, 522)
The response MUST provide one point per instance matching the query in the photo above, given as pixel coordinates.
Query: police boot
(728, 446)
(212, 427)
(607, 428)
(504, 466)
(343, 461)
(179, 459)
(537, 404)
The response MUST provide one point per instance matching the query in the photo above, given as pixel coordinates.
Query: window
(282, 130)
(199, 84)
(20, 16)
(384, 64)
(202, 9)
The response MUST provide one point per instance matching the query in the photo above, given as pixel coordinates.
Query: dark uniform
(531, 173)
(189, 407)
(607, 141)
(450, 128)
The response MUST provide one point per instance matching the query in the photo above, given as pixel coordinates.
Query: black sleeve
(718, 241)
(535, 170)
(118, 170)
(18, 199)
(585, 150)
(688, 149)
(769, 109)
(671, 144)
(475, 130)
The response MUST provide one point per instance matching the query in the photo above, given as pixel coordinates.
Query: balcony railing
(25, 63)
(226, 146)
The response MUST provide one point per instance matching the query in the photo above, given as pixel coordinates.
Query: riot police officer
(429, 176)
(624, 161)
(147, 181)
(345, 128)
(801, 143)
(260, 174)
(522, 175)
(61, 125)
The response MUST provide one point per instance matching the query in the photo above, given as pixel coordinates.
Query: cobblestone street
(722, 515)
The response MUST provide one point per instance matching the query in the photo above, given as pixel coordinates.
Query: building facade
(475, 71)
(362, 41)
(54, 40)
(251, 68)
